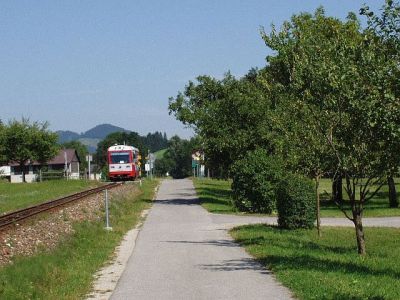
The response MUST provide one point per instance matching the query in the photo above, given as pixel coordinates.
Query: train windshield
(120, 157)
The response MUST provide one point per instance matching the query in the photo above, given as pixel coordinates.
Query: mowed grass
(215, 196)
(328, 267)
(67, 272)
(15, 196)
(160, 153)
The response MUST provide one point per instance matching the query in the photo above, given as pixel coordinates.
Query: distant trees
(156, 141)
(23, 142)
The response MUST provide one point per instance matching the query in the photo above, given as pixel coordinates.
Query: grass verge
(15, 196)
(67, 272)
(215, 196)
(329, 267)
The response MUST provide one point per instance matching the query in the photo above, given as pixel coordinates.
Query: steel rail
(15, 216)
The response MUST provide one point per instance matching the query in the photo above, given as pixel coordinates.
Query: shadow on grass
(303, 245)
(303, 261)
(341, 296)
(226, 194)
(307, 262)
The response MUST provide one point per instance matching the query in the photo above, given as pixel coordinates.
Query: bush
(296, 203)
(255, 178)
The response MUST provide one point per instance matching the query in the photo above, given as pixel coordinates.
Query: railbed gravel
(45, 231)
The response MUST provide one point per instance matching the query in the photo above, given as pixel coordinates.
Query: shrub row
(260, 185)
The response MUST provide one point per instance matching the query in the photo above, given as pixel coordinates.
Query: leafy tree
(3, 158)
(255, 179)
(80, 149)
(179, 156)
(24, 142)
(230, 116)
(163, 165)
(335, 71)
(302, 145)
(386, 28)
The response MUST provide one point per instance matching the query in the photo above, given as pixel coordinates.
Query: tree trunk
(357, 219)
(23, 171)
(393, 201)
(337, 191)
(318, 205)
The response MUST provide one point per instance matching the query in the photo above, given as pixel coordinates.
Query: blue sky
(77, 64)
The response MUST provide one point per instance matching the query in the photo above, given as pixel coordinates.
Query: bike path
(184, 252)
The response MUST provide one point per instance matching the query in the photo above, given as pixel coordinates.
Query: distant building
(66, 161)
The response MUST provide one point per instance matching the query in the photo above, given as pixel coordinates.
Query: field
(18, 195)
(215, 196)
(328, 267)
(67, 272)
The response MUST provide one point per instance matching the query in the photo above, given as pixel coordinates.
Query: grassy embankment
(160, 153)
(67, 272)
(328, 267)
(18, 195)
(215, 196)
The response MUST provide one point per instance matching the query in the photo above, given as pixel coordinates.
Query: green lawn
(14, 196)
(67, 272)
(215, 196)
(328, 267)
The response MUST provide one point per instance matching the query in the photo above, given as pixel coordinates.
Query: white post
(107, 215)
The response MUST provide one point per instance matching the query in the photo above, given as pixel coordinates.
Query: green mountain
(91, 137)
(101, 131)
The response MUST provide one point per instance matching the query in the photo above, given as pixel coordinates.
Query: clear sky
(78, 64)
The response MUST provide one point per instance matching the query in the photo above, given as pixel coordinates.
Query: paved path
(229, 221)
(183, 252)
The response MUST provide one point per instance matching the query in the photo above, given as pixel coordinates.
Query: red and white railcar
(123, 162)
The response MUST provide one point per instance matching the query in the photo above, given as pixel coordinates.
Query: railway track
(13, 217)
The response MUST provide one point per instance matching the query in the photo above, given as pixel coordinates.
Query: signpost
(89, 158)
(197, 166)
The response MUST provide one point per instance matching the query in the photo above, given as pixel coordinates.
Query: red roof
(59, 159)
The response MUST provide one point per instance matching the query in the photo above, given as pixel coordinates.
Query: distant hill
(154, 141)
(101, 131)
(91, 137)
(67, 136)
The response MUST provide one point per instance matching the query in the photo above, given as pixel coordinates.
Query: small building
(66, 162)
(5, 172)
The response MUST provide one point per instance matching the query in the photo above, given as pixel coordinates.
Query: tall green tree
(24, 142)
(230, 116)
(386, 28)
(179, 156)
(335, 71)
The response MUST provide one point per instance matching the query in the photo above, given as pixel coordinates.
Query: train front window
(120, 157)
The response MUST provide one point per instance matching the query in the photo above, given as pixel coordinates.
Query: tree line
(326, 104)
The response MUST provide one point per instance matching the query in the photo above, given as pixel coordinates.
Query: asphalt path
(184, 252)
